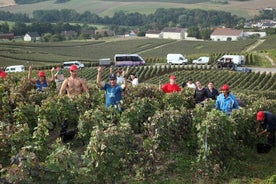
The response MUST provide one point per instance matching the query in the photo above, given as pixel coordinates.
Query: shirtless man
(73, 84)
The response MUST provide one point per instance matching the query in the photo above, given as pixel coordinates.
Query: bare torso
(75, 86)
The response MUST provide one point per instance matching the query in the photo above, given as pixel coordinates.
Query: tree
(4, 27)
(205, 33)
(193, 32)
(19, 28)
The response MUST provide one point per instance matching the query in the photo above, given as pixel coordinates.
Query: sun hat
(41, 74)
(260, 116)
(73, 68)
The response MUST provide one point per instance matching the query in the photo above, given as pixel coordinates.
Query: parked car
(15, 68)
(201, 60)
(176, 59)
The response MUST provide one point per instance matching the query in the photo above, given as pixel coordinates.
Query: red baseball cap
(172, 77)
(225, 87)
(73, 68)
(41, 74)
(260, 116)
(3, 74)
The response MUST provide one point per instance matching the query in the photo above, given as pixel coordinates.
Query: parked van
(67, 64)
(128, 60)
(201, 60)
(176, 59)
(105, 62)
(236, 59)
(15, 68)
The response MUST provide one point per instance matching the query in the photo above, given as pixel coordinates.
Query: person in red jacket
(170, 87)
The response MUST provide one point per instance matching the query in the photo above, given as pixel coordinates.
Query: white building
(31, 36)
(226, 34)
(173, 33)
(153, 34)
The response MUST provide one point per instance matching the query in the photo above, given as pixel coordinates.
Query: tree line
(159, 19)
(200, 23)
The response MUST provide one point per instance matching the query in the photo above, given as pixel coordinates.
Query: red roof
(226, 32)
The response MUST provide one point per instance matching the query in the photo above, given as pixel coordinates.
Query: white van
(67, 64)
(15, 68)
(201, 60)
(176, 59)
(128, 60)
(236, 59)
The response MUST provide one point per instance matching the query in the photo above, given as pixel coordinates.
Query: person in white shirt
(134, 80)
(190, 84)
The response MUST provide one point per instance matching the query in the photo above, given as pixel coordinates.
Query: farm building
(153, 34)
(7, 36)
(31, 36)
(226, 34)
(173, 33)
(133, 33)
(260, 34)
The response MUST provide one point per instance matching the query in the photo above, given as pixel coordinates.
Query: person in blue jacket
(267, 121)
(114, 91)
(226, 101)
(42, 82)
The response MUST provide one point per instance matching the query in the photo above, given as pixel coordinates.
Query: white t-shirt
(191, 85)
(120, 80)
(134, 82)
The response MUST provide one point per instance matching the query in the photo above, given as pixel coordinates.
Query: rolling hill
(245, 9)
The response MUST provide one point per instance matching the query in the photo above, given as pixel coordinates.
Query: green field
(108, 8)
(38, 53)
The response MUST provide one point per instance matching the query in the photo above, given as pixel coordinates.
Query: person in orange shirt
(171, 86)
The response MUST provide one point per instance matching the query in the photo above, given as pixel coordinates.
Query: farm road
(259, 42)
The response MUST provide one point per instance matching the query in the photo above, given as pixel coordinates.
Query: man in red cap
(226, 101)
(42, 82)
(171, 86)
(74, 85)
(267, 121)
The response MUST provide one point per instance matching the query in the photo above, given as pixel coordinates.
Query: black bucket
(263, 148)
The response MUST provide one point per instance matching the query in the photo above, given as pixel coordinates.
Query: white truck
(176, 59)
(202, 60)
(15, 68)
(67, 64)
(236, 59)
(105, 62)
